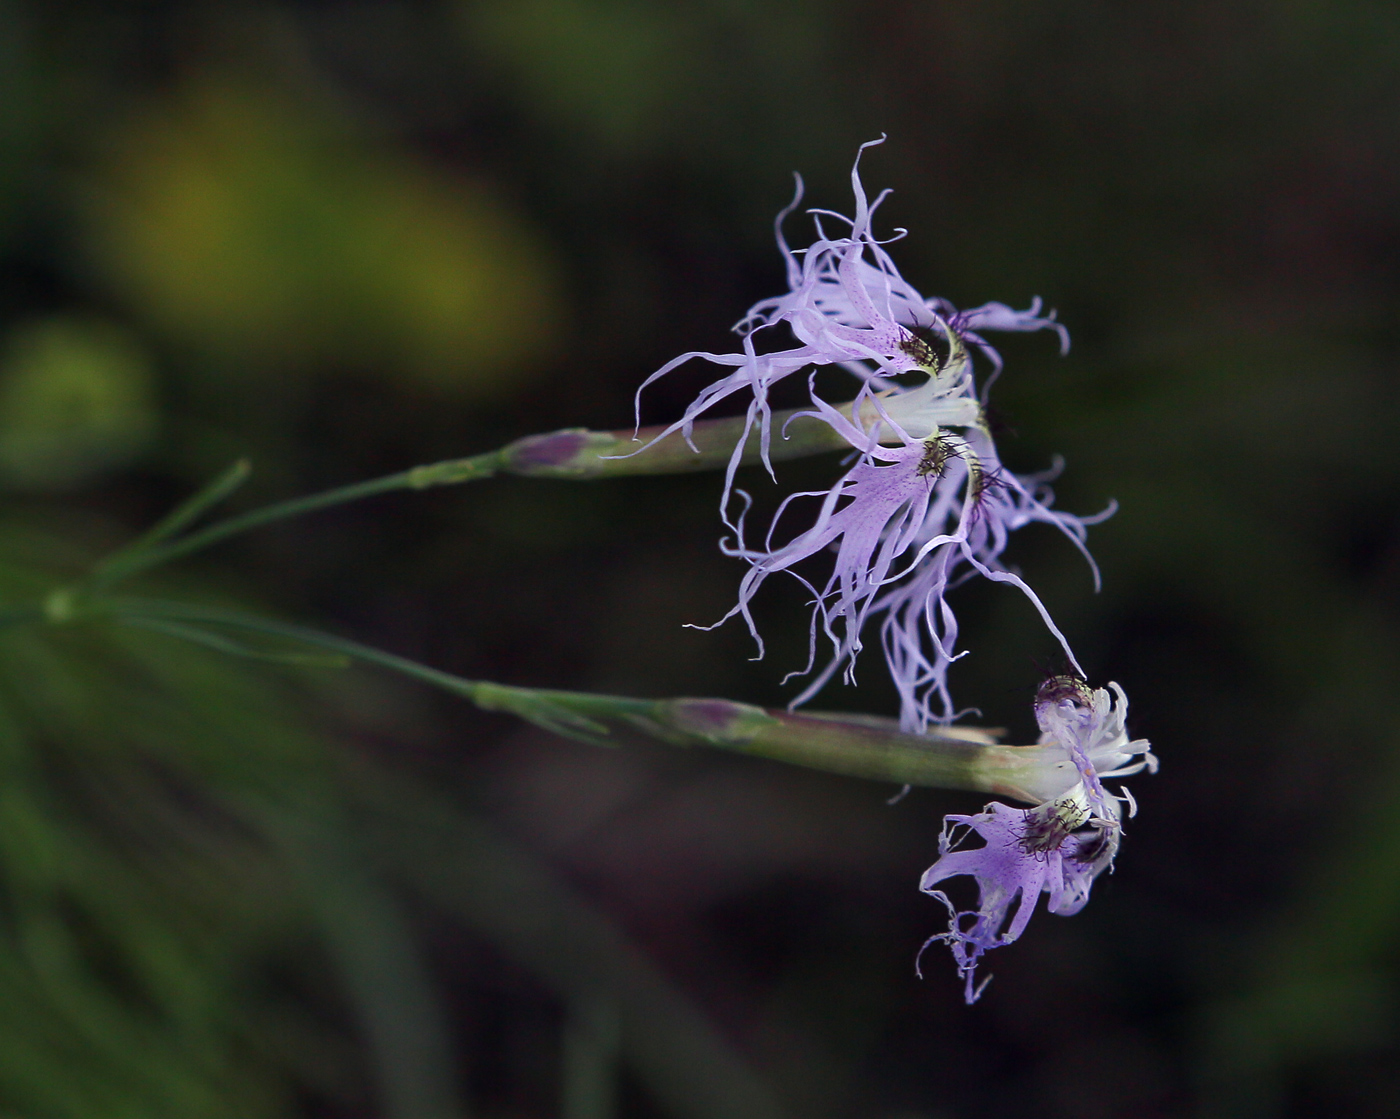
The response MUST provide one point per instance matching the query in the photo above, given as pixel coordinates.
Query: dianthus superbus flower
(1057, 848)
(927, 502)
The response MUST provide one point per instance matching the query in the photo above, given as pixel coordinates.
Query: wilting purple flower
(1057, 848)
(927, 504)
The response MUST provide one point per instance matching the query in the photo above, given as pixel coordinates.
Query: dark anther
(937, 452)
(920, 350)
(1066, 686)
(1043, 832)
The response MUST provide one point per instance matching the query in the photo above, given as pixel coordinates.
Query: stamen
(937, 452)
(920, 350)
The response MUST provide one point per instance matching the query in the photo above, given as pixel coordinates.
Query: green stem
(173, 523)
(852, 745)
(574, 453)
(450, 472)
(578, 453)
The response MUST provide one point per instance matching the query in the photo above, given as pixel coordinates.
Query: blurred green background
(343, 238)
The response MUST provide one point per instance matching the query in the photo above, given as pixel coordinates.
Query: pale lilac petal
(1006, 875)
(1057, 848)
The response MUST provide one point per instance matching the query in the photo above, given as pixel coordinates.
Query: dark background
(341, 239)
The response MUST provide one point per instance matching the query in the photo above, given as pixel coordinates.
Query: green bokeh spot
(76, 398)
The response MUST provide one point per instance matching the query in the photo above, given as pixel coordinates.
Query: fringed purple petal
(1010, 869)
(908, 524)
(1057, 848)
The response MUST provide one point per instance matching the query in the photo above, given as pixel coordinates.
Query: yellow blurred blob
(76, 398)
(243, 223)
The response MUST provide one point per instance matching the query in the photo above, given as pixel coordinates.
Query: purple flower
(1057, 848)
(847, 305)
(960, 508)
(927, 503)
